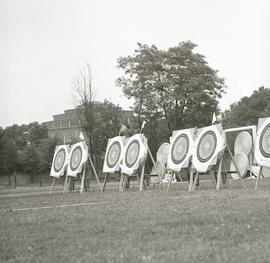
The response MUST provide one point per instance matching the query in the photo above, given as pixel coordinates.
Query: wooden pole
(125, 182)
(105, 181)
(142, 178)
(95, 172)
(52, 184)
(15, 179)
(82, 180)
(121, 182)
(257, 180)
(40, 180)
(169, 183)
(219, 173)
(190, 179)
(153, 161)
(195, 181)
(66, 184)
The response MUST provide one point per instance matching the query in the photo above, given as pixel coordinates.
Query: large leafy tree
(176, 84)
(248, 109)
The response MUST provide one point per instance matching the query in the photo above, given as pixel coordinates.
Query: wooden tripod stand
(82, 186)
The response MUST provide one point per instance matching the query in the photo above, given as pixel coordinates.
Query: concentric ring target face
(206, 146)
(132, 153)
(180, 148)
(59, 160)
(264, 143)
(243, 143)
(113, 154)
(76, 158)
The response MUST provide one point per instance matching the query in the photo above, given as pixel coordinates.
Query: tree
(26, 148)
(99, 121)
(248, 110)
(176, 84)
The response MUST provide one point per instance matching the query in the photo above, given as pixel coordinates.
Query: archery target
(132, 153)
(162, 153)
(60, 160)
(135, 150)
(208, 144)
(262, 148)
(242, 163)
(78, 156)
(181, 148)
(243, 143)
(113, 155)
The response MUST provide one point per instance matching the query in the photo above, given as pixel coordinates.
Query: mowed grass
(231, 225)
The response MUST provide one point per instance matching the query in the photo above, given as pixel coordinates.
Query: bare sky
(42, 44)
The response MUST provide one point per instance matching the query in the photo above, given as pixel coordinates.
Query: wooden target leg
(219, 174)
(82, 180)
(213, 178)
(105, 181)
(52, 185)
(224, 180)
(257, 180)
(125, 182)
(190, 180)
(95, 172)
(170, 182)
(65, 184)
(195, 181)
(121, 182)
(142, 178)
(180, 177)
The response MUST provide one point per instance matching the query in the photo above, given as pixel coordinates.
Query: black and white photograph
(135, 131)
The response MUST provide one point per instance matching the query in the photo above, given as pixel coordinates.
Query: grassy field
(232, 225)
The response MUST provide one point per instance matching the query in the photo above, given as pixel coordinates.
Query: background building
(67, 126)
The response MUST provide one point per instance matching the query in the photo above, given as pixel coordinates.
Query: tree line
(172, 89)
(26, 148)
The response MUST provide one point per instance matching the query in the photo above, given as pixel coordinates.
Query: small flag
(143, 124)
(81, 136)
(214, 118)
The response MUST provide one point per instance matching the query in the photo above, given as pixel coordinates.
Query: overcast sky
(42, 44)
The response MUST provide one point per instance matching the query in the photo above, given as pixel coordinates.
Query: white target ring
(243, 143)
(78, 156)
(113, 155)
(210, 141)
(60, 160)
(135, 150)
(262, 145)
(181, 149)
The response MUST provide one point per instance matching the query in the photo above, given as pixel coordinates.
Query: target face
(59, 160)
(180, 149)
(264, 142)
(242, 163)
(113, 154)
(76, 158)
(206, 146)
(243, 143)
(132, 153)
